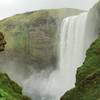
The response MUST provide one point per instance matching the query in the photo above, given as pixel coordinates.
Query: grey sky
(11, 7)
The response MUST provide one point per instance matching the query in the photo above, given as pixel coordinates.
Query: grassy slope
(88, 77)
(9, 90)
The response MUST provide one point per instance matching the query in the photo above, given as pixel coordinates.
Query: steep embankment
(9, 90)
(88, 77)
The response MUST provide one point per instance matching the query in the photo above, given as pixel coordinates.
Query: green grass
(9, 90)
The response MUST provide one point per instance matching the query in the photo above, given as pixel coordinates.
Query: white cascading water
(75, 38)
(77, 33)
(72, 50)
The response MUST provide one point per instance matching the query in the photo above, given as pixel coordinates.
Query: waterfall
(77, 33)
(72, 47)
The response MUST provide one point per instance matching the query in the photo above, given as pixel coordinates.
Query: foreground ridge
(9, 90)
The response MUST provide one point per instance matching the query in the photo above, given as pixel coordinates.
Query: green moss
(9, 90)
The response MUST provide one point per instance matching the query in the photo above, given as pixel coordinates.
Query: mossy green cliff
(88, 76)
(9, 90)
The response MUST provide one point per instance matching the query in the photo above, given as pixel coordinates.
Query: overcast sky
(11, 7)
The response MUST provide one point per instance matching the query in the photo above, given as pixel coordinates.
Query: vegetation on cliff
(88, 76)
(9, 90)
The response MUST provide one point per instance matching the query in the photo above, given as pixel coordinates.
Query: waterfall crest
(72, 39)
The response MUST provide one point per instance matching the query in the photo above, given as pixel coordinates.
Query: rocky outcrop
(9, 90)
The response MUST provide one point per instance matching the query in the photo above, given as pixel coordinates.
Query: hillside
(9, 90)
(32, 40)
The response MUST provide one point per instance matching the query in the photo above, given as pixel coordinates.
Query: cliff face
(9, 90)
(88, 77)
(32, 35)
